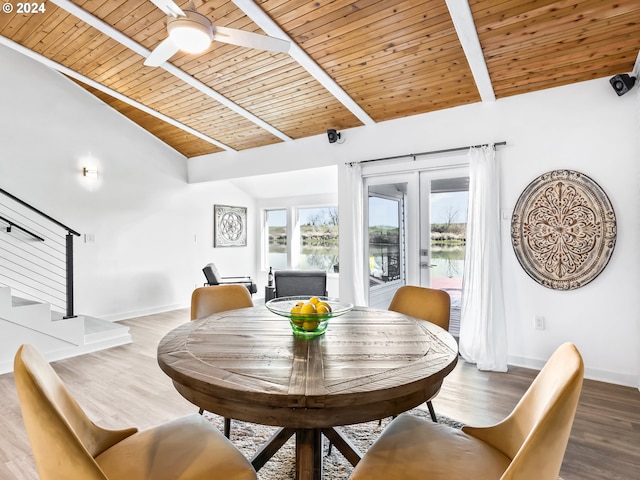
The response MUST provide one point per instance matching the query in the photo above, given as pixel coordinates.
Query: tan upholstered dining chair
(527, 445)
(426, 304)
(206, 301)
(66, 444)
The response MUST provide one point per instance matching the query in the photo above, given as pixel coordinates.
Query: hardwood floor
(123, 386)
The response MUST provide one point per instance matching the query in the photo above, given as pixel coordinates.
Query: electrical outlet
(539, 322)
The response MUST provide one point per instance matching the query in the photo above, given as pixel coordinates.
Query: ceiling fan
(193, 32)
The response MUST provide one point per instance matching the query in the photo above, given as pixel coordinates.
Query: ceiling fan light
(190, 40)
(191, 33)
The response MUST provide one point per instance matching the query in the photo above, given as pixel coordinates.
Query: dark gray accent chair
(300, 282)
(214, 278)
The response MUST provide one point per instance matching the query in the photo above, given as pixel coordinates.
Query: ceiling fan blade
(249, 39)
(169, 7)
(163, 52)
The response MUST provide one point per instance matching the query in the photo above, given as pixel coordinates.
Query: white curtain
(483, 337)
(351, 257)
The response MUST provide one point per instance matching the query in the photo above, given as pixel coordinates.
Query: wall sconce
(90, 172)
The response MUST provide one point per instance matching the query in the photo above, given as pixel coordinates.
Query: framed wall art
(563, 229)
(229, 226)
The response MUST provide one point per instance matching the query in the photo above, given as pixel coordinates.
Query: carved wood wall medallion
(563, 229)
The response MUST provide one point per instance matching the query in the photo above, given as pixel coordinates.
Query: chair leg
(227, 427)
(227, 424)
(432, 412)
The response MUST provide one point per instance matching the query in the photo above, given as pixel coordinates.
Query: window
(276, 227)
(318, 238)
(308, 236)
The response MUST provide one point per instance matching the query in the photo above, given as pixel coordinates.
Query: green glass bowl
(307, 325)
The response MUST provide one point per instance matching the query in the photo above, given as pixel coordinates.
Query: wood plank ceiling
(391, 58)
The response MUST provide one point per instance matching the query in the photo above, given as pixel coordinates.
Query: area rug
(248, 437)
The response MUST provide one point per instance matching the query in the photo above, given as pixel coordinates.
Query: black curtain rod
(433, 152)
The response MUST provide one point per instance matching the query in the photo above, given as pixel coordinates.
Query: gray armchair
(300, 282)
(213, 278)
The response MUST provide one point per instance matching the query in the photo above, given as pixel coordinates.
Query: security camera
(333, 135)
(622, 83)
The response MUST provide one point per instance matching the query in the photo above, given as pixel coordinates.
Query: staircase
(28, 321)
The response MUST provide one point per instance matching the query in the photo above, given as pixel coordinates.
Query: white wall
(153, 231)
(589, 129)
(583, 127)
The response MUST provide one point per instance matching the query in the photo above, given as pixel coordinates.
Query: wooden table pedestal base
(308, 450)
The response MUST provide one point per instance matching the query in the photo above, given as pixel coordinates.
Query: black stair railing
(40, 265)
(11, 224)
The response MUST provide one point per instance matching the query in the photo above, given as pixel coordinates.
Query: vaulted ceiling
(351, 62)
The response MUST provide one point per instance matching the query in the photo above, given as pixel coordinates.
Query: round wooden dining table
(247, 365)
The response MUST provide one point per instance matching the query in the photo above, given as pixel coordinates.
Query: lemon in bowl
(308, 315)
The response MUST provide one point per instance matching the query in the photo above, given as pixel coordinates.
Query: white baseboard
(627, 380)
(116, 317)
